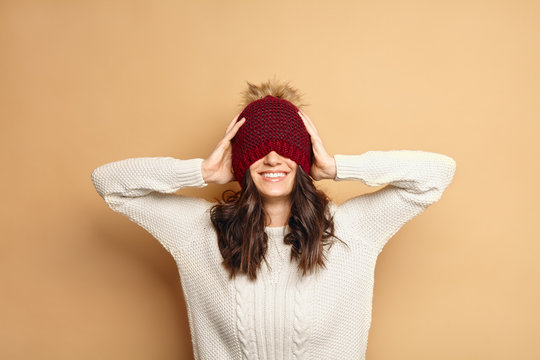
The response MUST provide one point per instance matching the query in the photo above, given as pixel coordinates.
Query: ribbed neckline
(277, 230)
(276, 237)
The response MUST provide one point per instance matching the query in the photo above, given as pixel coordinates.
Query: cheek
(252, 171)
(254, 177)
(292, 164)
(294, 168)
(292, 179)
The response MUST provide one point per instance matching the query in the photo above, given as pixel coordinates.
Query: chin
(274, 194)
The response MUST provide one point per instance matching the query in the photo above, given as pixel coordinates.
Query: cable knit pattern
(281, 315)
(302, 324)
(244, 314)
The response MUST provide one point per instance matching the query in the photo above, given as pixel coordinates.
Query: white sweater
(324, 316)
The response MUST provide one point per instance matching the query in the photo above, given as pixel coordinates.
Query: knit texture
(281, 315)
(271, 124)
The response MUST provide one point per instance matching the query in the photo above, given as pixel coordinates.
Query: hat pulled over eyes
(272, 124)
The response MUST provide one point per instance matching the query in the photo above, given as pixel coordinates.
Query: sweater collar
(276, 242)
(279, 231)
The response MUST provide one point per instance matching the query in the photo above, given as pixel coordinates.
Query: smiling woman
(273, 176)
(270, 156)
(312, 295)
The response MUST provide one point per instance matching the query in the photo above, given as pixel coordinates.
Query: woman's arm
(416, 179)
(143, 190)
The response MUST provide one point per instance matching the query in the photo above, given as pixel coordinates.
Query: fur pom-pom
(272, 87)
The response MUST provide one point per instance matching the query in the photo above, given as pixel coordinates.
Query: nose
(272, 159)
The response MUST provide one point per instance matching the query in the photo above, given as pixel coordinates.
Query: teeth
(273, 175)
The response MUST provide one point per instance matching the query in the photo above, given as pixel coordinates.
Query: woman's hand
(323, 165)
(217, 168)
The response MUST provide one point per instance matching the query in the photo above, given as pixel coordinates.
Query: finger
(310, 122)
(232, 123)
(310, 127)
(318, 147)
(307, 122)
(234, 129)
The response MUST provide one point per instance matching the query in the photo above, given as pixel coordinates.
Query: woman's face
(273, 176)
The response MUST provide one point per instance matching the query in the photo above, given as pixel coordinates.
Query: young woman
(275, 270)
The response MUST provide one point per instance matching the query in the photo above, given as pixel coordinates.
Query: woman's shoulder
(332, 207)
(341, 212)
(336, 212)
(193, 202)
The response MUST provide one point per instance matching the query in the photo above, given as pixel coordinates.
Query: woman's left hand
(323, 165)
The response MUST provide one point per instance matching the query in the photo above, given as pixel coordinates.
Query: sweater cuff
(347, 167)
(188, 173)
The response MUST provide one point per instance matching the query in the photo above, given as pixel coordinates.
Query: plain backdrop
(83, 83)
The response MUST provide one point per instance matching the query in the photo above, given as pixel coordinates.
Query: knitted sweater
(281, 315)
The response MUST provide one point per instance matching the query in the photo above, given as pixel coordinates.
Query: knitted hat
(272, 123)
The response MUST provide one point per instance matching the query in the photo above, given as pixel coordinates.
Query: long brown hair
(239, 220)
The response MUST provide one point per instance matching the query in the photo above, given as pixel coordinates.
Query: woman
(275, 270)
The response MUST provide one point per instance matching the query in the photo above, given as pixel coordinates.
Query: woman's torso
(281, 315)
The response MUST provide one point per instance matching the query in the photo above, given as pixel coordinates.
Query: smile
(274, 176)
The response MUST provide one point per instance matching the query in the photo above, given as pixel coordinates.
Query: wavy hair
(239, 220)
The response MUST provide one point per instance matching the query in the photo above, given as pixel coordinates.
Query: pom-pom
(272, 87)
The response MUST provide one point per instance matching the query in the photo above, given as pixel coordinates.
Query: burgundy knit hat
(271, 123)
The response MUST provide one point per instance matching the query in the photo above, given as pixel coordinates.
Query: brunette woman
(275, 270)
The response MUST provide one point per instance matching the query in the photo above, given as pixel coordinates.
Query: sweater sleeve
(143, 189)
(416, 179)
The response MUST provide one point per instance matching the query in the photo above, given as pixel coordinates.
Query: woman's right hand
(217, 168)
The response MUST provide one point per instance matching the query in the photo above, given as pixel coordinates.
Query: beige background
(83, 83)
